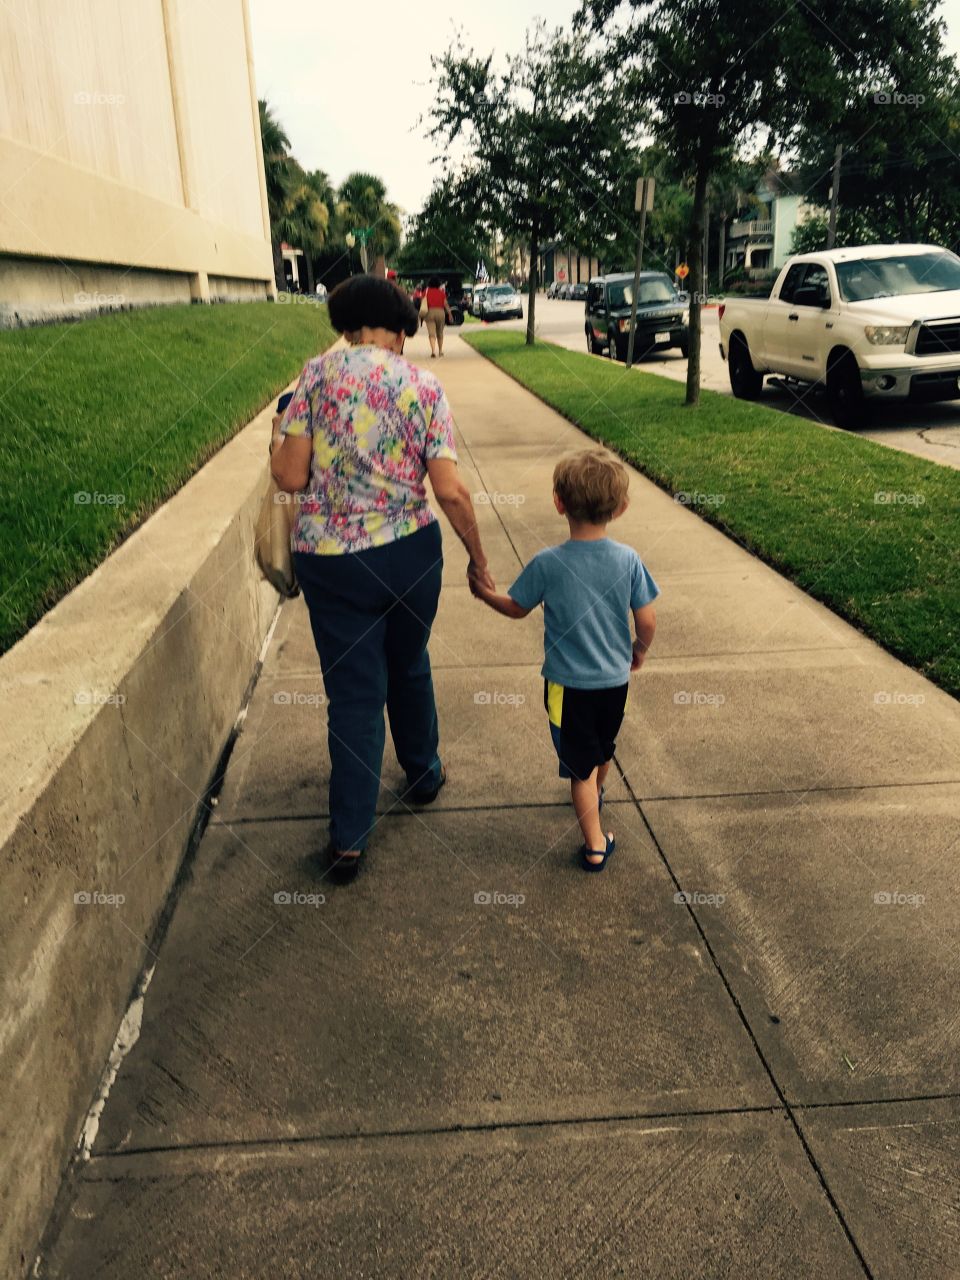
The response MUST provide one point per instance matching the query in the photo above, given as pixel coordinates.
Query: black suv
(661, 315)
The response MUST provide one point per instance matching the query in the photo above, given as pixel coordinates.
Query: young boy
(588, 586)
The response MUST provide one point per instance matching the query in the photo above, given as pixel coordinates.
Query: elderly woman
(364, 430)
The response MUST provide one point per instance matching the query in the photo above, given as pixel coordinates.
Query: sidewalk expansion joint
(427, 1131)
(787, 1107)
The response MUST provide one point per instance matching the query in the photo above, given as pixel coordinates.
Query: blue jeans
(371, 614)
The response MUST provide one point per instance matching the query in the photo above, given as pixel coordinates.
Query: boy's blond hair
(591, 484)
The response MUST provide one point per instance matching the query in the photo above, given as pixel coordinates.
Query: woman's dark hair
(373, 302)
(433, 282)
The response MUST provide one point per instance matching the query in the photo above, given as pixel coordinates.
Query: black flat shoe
(342, 870)
(428, 797)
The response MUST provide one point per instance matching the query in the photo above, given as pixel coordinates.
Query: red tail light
(720, 310)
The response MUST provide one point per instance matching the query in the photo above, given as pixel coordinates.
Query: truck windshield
(659, 289)
(867, 278)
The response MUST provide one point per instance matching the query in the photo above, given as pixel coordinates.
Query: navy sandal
(586, 854)
(428, 797)
(342, 870)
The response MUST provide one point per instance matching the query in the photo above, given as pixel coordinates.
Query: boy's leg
(585, 796)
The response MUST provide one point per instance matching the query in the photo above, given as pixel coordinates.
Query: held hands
(480, 580)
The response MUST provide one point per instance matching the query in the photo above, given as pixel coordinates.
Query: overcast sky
(350, 81)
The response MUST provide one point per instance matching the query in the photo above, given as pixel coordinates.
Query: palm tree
(276, 165)
(362, 203)
(305, 217)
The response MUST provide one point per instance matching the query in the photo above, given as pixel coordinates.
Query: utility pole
(834, 194)
(643, 202)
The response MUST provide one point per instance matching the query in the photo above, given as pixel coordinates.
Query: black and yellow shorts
(584, 724)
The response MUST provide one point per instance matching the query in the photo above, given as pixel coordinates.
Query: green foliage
(540, 151)
(362, 202)
(801, 497)
(124, 408)
(448, 231)
(899, 127)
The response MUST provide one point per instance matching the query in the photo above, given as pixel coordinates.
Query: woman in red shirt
(438, 310)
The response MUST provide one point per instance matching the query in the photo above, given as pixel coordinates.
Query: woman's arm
(455, 502)
(290, 460)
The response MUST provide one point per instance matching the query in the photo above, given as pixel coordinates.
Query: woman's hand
(478, 575)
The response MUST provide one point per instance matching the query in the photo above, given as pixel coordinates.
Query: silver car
(501, 302)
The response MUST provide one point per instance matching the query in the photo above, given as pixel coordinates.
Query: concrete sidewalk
(734, 1054)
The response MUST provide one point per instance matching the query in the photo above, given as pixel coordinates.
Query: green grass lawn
(104, 419)
(802, 498)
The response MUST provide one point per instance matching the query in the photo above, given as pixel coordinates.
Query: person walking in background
(438, 311)
(364, 431)
(418, 291)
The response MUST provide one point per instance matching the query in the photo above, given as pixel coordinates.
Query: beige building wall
(129, 153)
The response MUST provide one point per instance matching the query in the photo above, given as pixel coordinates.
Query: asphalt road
(930, 431)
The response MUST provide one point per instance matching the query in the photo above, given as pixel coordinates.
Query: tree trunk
(532, 287)
(697, 281)
(721, 265)
(308, 262)
(278, 274)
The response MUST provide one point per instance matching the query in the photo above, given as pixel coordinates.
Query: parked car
(868, 323)
(661, 315)
(563, 290)
(476, 305)
(578, 292)
(552, 288)
(501, 302)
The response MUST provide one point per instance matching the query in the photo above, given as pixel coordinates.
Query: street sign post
(643, 202)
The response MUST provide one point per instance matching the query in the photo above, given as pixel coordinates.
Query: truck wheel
(684, 346)
(845, 392)
(612, 345)
(745, 382)
(592, 345)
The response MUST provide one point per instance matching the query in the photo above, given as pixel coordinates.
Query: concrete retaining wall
(116, 708)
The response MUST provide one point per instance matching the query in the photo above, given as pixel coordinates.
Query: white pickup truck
(878, 322)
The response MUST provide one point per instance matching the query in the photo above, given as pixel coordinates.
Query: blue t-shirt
(588, 590)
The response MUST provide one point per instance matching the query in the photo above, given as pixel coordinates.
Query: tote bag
(271, 538)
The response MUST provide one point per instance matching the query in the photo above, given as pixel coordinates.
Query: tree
(276, 165)
(899, 138)
(706, 75)
(539, 147)
(362, 204)
(448, 231)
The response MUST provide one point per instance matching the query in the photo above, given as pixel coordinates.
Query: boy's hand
(639, 656)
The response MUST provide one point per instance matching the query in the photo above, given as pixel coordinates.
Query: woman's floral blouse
(374, 419)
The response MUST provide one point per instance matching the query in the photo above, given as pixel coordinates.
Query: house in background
(761, 240)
